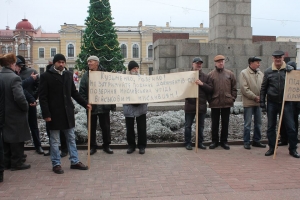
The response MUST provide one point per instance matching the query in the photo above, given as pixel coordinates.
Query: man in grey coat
(15, 129)
(138, 112)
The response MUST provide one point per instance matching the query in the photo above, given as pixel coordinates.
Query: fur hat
(132, 64)
(59, 57)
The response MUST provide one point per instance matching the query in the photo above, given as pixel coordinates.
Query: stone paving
(161, 173)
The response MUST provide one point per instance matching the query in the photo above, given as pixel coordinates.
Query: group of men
(218, 88)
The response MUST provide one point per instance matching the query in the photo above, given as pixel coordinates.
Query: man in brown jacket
(250, 82)
(205, 90)
(223, 97)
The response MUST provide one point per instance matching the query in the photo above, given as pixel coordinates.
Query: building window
(150, 51)
(10, 49)
(52, 52)
(135, 51)
(70, 50)
(124, 50)
(23, 50)
(3, 50)
(41, 53)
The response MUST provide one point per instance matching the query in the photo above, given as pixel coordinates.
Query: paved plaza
(161, 173)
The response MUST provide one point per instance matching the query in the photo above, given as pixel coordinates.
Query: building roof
(25, 25)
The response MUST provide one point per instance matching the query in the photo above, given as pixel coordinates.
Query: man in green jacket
(101, 112)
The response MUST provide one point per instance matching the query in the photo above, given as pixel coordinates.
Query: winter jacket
(250, 83)
(273, 83)
(56, 92)
(26, 73)
(25, 84)
(224, 88)
(83, 91)
(205, 91)
(16, 128)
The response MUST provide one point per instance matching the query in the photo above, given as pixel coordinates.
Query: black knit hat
(59, 57)
(132, 64)
(22, 59)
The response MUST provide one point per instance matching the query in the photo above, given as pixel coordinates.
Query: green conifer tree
(100, 38)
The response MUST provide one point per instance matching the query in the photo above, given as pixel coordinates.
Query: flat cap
(219, 57)
(93, 58)
(197, 59)
(253, 59)
(278, 53)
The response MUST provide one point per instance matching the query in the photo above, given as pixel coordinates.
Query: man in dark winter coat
(63, 143)
(100, 112)
(205, 90)
(273, 88)
(32, 115)
(56, 92)
(15, 129)
(223, 97)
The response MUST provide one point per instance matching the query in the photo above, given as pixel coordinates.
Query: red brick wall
(260, 38)
(157, 36)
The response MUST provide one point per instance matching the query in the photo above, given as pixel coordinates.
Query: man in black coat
(56, 90)
(25, 73)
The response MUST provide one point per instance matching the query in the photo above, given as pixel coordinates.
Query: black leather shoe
(294, 154)
(201, 146)
(189, 147)
(20, 167)
(258, 144)
(47, 154)
(58, 170)
(213, 145)
(130, 150)
(93, 151)
(40, 150)
(24, 156)
(225, 145)
(247, 146)
(142, 151)
(23, 160)
(269, 152)
(280, 143)
(63, 154)
(108, 150)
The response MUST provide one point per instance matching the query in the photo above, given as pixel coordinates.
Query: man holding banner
(273, 87)
(100, 112)
(205, 89)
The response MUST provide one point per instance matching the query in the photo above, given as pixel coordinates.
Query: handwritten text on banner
(113, 88)
(292, 86)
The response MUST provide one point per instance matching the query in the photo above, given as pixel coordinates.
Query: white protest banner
(114, 88)
(292, 86)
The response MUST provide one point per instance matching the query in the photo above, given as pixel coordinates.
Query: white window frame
(39, 52)
(138, 50)
(51, 51)
(67, 49)
(126, 49)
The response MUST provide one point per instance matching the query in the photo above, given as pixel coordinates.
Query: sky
(269, 17)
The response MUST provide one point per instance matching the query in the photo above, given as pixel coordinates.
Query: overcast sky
(269, 17)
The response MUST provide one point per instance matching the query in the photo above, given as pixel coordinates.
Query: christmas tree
(100, 38)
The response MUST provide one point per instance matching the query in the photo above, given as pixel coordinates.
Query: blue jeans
(189, 119)
(54, 146)
(288, 118)
(248, 112)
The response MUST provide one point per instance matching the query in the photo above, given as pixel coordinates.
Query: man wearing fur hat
(138, 112)
(223, 97)
(100, 112)
(56, 92)
(273, 87)
(25, 73)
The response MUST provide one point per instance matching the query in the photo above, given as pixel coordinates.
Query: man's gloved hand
(263, 107)
(289, 68)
